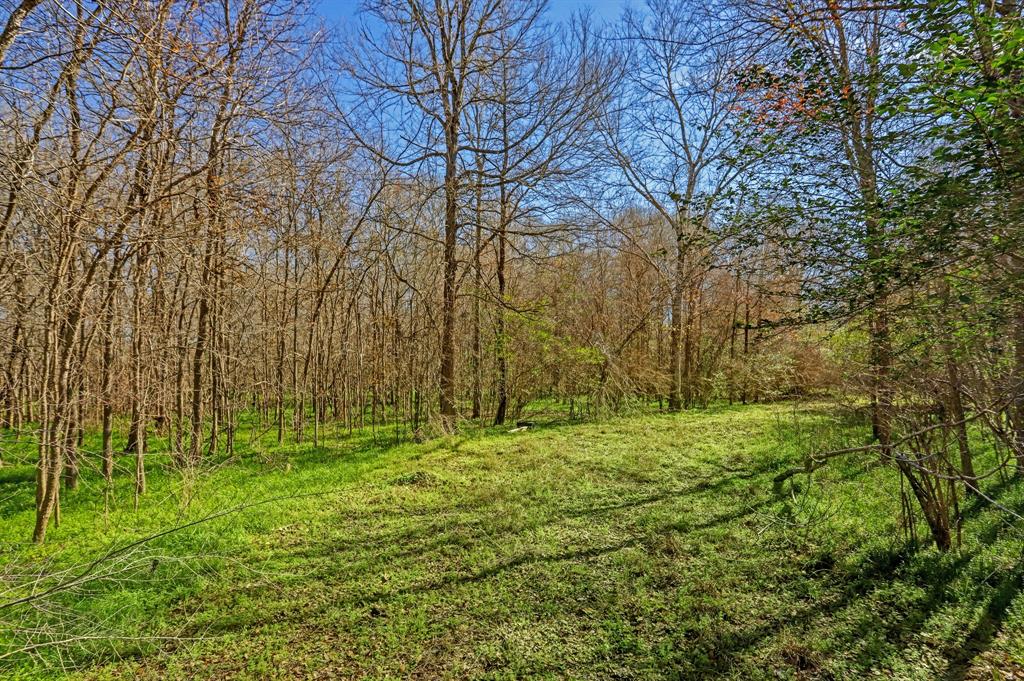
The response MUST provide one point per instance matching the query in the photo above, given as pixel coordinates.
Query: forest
(512, 339)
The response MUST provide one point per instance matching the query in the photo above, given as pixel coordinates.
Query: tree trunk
(955, 399)
(675, 363)
(478, 283)
(501, 336)
(447, 369)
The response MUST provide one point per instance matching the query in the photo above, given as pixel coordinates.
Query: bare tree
(420, 76)
(673, 140)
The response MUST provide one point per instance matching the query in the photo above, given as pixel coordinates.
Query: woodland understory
(234, 234)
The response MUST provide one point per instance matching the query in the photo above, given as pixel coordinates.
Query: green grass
(652, 546)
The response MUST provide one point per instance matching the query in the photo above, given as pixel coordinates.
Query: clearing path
(644, 547)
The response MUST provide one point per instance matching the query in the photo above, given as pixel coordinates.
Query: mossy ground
(650, 546)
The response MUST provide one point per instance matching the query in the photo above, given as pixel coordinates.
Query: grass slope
(640, 548)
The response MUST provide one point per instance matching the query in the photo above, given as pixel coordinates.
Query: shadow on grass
(420, 550)
(882, 570)
(478, 527)
(846, 588)
(980, 639)
(351, 560)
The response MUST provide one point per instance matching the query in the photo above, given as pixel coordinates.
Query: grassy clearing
(643, 547)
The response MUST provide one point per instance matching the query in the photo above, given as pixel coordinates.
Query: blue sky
(340, 10)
